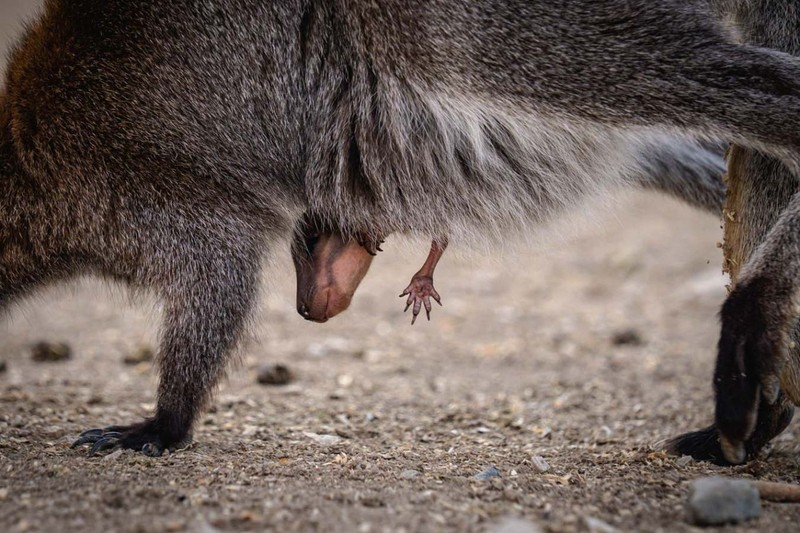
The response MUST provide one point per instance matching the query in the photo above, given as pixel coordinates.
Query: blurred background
(583, 351)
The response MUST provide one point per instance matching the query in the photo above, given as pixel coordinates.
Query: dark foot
(370, 242)
(750, 359)
(146, 437)
(419, 292)
(704, 445)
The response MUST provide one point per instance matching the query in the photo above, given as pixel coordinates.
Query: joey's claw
(420, 291)
(370, 243)
(751, 355)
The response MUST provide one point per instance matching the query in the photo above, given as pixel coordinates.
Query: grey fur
(169, 145)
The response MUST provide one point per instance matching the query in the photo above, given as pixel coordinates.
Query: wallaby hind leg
(208, 296)
(759, 189)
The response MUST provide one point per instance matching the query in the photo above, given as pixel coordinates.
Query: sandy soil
(385, 426)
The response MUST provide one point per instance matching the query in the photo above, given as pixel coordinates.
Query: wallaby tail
(688, 170)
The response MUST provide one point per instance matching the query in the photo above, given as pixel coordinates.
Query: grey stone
(489, 473)
(595, 525)
(717, 500)
(540, 463)
(512, 524)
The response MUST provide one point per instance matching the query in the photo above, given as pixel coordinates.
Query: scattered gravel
(251, 468)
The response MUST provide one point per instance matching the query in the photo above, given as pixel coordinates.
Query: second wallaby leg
(759, 189)
(756, 378)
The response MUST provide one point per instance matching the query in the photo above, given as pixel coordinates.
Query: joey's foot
(147, 437)
(419, 292)
(704, 445)
(371, 243)
(751, 355)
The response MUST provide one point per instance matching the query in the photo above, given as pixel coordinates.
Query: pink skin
(329, 268)
(420, 290)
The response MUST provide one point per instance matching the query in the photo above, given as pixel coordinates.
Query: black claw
(89, 439)
(104, 443)
(151, 450)
(147, 437)
(93, 436)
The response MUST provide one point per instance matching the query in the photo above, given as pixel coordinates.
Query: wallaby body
(169, 145)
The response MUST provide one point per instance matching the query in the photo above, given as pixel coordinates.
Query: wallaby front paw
(145, 437)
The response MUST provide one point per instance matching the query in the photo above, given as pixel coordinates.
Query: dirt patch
(384, 426)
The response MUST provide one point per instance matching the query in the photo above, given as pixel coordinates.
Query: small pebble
(684, 460)
(489, 473)
(627, 337)
(540, 464)
(142, 354)
(49, 352)
(274, 375)
(113, 456)
(715, 501)
(410, 474)
(512, 524)
(595, 525)
(324, 440)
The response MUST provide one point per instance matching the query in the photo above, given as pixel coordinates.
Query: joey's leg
(205, 314)
(420, 290)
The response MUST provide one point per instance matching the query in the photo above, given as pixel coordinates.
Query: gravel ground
(530, 402)
(560, 368)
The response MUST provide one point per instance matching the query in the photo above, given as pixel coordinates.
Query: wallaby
(761, 249)
(171, 145)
